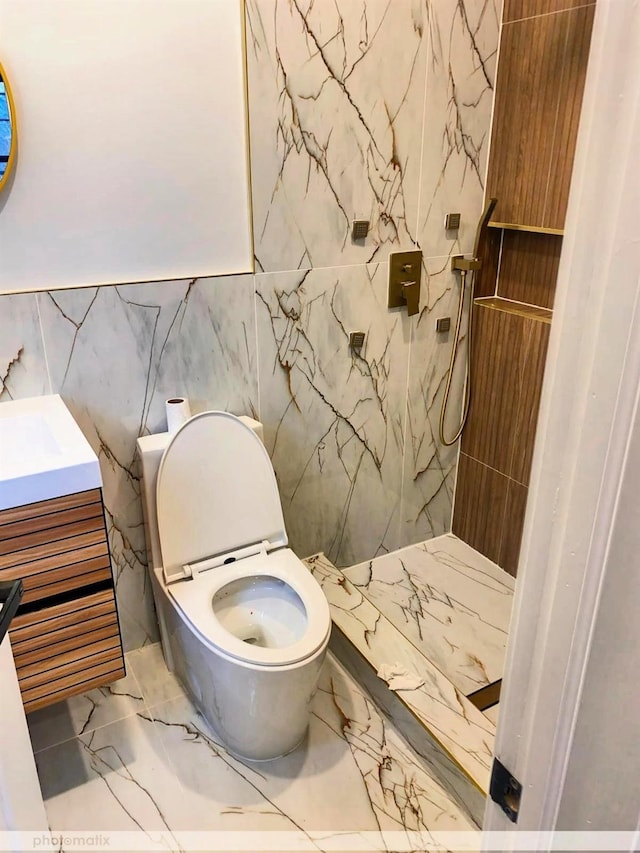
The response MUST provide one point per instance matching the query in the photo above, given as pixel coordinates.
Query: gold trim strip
(534, 229)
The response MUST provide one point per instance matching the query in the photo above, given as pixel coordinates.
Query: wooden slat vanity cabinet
(66, 636)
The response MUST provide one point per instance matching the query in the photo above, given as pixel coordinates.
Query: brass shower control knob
(405, 274)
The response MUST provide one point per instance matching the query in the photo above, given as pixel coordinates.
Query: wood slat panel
(515, 10)
(61, 615)
(44, 637)
(579, 24)
(53, 534)
(42, 701)
(529, 267)
(38, 583)
(41, 654)
(60, 667)
(56, 562)
(512, 526)
(53, 505)
(480, 501)
(68, 585)
(25, 528)
(96, 672)
(53, 549)
(525, 112)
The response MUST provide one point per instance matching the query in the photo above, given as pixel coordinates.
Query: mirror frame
(14, 131)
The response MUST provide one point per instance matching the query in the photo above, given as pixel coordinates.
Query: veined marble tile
(117, 777)
(23, 366)
(461, 730)
(85, 712)
(334, 418)
(336, 95)
(452, 603)
(493, 714)
(156, 683)
(115, 355)
(439, 764)
(459, 98)
(430, 466)
(167, 770)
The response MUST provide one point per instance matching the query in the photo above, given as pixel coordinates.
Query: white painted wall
(132, 142)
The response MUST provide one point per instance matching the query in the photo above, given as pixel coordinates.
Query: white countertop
(43, 452)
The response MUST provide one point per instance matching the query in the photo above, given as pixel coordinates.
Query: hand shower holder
(461, 264)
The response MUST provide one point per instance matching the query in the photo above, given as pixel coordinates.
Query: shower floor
(449, 601)
(437, 612)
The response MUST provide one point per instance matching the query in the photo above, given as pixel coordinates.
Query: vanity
(65, 635)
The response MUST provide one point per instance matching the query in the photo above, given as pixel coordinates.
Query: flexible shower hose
(454, 352)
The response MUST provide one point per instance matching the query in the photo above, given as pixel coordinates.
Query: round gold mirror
(7, 129)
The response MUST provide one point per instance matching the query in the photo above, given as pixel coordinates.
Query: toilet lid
(216, 492)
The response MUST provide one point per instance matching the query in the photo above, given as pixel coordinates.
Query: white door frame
(587, 414)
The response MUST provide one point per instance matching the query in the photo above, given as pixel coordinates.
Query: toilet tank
(150, 449)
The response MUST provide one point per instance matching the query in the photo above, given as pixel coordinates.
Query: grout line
(428, 51)
(405, 430)
(257, 343)
(496, 471)
(44, 344)
(548, 14)
(455, 486)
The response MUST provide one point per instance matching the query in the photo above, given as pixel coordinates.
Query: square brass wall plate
(405, 268)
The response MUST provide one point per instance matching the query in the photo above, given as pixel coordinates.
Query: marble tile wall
(374, 109)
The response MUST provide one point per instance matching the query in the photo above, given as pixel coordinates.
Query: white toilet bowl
(243, 623)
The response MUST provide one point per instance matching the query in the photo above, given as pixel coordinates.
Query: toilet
(243, 623)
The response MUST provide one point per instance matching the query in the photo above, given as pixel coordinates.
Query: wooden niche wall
(544, 48)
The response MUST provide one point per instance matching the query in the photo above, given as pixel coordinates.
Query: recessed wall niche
(132, 160)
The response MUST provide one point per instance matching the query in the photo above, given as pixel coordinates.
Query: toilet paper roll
(178, 411)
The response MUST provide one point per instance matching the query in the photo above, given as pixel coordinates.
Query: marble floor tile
(164, 769)
(452, 603)
(462, 731)
(157, 684)
(85, 712)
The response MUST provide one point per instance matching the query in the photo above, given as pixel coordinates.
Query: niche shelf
(531, 229)
(510, 306)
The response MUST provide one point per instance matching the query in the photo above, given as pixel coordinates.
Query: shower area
(425, 628)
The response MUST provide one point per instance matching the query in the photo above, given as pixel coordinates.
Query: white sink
(43, 453)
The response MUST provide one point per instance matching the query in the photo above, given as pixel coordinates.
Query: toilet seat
(194, 597)
(216, 494)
